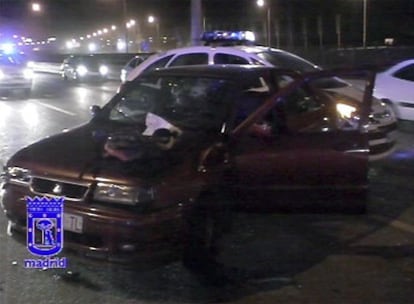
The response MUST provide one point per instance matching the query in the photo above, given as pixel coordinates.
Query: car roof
(249, 52)
(236, 72)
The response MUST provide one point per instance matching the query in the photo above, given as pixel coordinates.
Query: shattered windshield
(186, 102)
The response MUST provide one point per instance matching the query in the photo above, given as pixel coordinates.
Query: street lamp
(36, 7)
(153, 20)
(261, 3)
(132, 24)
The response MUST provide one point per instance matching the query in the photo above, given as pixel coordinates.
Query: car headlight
(28, 73)
(121, 194)
(30, 64)
(82, 70)
(344, 110)
(17, 175)
(348, 117)
(103, 70)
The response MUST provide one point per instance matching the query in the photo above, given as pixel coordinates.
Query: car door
(305, 147)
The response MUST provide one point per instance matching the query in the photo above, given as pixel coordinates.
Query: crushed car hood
(78, 154)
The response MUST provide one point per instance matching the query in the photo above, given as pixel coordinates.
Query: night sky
(66, 18)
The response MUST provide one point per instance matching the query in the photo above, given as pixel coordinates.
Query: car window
(406, 73)
(159, 63)
(222, 58)
(136, 61)
(300, 101)
(287, 61)
(188, 102)
(190, 59)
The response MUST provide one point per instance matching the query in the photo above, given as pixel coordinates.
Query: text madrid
(46, 263)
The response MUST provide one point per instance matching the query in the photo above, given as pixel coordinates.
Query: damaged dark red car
(141, 179)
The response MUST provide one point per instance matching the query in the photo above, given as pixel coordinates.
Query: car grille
(70, 191)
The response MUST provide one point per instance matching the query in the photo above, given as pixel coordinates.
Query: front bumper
(107, 233)
(382, 141)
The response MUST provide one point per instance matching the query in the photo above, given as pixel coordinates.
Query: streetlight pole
(152, 19)
(364, 25)
(261, 3)
(124, 22)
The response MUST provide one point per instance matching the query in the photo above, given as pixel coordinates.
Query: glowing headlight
(1, 74)
(28, 73)
(18, 175)
(103, 70)
(30, 64)
(82, 70)
(345, 111)
(122, 194)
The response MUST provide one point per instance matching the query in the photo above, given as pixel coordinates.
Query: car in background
(382, 125)
(147, 178)
(84, 67)
(131, 64)
(395, 86)
(16, 75)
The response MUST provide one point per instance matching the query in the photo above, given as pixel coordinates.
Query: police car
(229, 48)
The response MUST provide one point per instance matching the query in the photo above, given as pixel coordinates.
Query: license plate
(72, 222)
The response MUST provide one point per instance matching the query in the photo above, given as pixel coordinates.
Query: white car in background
(84, 67)
(395, 86)
(383, 122)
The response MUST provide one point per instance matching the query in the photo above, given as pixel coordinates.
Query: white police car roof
(248, 52)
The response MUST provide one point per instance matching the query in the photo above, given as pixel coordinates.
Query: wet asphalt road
(290, 257)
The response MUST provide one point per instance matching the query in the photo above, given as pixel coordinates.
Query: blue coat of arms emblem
(44, 225)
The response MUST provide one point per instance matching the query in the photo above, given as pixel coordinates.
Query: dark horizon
(74, 18)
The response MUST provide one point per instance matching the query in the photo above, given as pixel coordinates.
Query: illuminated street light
(151, 19)
(130, 23)
(261, 3)
(36, 7)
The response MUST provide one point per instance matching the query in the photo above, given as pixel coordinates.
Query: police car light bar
(228, 36)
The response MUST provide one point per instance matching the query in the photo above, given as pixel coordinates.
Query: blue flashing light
(235, 37)
(7, 48)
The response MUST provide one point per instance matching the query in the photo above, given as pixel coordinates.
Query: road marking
(395, 223)
(55, 108)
